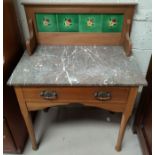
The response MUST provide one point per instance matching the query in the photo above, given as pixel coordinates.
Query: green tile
(46, 22)
(112, 22)
(90, 23)
(68, 22)
(49, 22)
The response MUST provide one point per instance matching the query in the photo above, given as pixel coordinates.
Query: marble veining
(77, 65)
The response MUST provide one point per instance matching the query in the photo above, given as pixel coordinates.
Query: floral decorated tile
(68, 22)
(46, 22)
(112, 22)
(90, 23)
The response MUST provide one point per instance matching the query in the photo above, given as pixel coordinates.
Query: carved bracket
(127, 41)
(31, 43)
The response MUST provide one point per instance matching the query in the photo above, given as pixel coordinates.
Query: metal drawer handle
(48, 95)
(103, 96)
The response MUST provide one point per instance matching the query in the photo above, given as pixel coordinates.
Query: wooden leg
(30, 129)
(26, 116)
(125, 117)
(121, 132)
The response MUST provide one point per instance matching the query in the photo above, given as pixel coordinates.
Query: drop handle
(47, 95)
(102, 96)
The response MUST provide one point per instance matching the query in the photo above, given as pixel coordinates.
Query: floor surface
(76, 130)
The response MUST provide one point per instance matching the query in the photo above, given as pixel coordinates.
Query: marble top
(77, 65)
(79, 1)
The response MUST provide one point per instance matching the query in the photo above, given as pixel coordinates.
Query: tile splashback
(62, 22)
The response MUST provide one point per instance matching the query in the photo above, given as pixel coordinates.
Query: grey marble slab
(80, 1)
(77, 65)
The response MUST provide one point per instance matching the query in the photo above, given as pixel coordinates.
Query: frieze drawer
(36, 97)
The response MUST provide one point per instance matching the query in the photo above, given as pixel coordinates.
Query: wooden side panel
(31, 43)
(143, 119)
(12, 51)
(8, 142)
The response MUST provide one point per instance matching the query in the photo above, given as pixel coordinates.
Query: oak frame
(85, 39)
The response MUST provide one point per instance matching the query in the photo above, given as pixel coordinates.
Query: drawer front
(76, 94)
